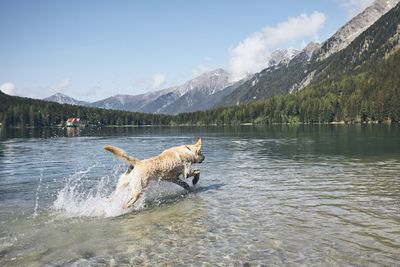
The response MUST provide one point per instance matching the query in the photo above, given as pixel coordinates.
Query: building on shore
(73, 122)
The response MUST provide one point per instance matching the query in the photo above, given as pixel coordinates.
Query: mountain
(197, 94)
(130, 102)
(282, 56)
(375, 44)
(202, 101)
(192, 95)
(64, 99)
(346, 34)
(274, 80)
(300, 71)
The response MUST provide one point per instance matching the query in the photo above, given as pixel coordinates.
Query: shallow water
(279, 195)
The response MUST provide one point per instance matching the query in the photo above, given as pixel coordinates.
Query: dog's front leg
(196, 175)
(181, 183)
(188, 172)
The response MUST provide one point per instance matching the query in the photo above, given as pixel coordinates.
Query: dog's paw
(196, 177)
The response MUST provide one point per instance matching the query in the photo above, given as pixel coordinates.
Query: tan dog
(167, 166)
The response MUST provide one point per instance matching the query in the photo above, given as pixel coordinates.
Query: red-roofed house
(73, 122)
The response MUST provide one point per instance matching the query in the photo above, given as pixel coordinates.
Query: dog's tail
(122, 155)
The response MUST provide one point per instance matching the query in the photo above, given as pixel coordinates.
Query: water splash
(79, 198)
(36, 208)
(39, 186)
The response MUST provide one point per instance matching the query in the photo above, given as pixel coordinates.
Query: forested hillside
(21, 111)
(369, 95)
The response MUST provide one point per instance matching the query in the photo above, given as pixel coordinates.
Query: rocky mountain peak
(211, 81)
(210, 74)
(64, 99)
(346, 34)
(282, 56)
(311, 48)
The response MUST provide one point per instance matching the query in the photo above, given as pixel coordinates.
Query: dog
(167, 166)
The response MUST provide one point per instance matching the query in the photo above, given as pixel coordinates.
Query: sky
(94, 49)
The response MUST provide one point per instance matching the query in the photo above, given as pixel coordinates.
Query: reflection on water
(278, 195)
(73, 131)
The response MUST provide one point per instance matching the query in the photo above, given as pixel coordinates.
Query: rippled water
(280, 195)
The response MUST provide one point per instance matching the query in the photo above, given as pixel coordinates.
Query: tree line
(372, 94)
(20, 112)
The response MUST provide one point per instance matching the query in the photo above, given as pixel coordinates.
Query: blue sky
(94, 49)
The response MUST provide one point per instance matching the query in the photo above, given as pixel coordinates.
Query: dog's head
(196, 151)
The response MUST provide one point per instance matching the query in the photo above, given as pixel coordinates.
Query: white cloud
(353, 7)
(8, 88)
(158, 80)
(62, 85)
(251, 54)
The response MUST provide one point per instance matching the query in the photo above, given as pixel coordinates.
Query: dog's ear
(198, 143)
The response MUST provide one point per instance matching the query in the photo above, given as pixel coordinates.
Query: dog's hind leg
(181, 183)
(137, 189)
(132, 199)
(122, 183)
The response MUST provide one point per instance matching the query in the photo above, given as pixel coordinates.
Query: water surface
(279, 195)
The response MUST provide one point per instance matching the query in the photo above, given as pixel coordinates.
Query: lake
(311, 195)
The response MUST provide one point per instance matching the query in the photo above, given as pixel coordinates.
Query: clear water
(316, 195)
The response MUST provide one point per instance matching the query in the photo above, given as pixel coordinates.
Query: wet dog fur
(170, 165)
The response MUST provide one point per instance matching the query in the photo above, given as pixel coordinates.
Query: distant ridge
(64, 99)
(190, 96)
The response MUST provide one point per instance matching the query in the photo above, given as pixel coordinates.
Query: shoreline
(206, 125)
